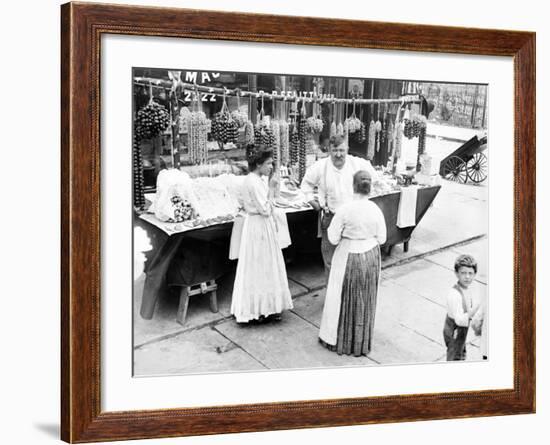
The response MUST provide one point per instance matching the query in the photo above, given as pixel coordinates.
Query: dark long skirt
(358, 307)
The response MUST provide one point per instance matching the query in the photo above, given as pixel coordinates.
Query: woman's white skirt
(261, 284)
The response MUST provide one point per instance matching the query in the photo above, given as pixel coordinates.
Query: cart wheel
(455, 170)
(476, 167)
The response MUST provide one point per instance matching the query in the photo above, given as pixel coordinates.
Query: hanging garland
(240, 117)
(249, 133)
(199, 126)
(353, 123)
(398, 140)
(360, 135)
(383, 134)
(225, 129)
(421, 145)
(302, 133)
(284, 141)
(276, 143)
(333, 126)
(414, 126)
(152, 119)
(294, 145)
(314, 123)
(139, 196)
(372, 140)
(378, 129)
(183, 120)
(340, 126)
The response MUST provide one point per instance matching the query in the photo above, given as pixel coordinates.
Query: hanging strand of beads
(284, 136)
(302, 129)
(378, 127)
(372, 136)
(384, 125)
(198, 131)
(239, 116)
(249, 126)
(333, 124)
(276, 137)
(139, 182)
(295, 139)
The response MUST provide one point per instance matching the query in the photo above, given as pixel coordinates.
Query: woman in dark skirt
(358, 228)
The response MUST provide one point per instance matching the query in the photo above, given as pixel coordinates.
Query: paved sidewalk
(408, 328)
(409, 317)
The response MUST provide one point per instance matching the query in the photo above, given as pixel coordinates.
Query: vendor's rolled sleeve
(311, 181)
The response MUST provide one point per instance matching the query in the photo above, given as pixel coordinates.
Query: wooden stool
(209, 286)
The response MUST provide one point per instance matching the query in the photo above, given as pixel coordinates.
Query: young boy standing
(461, 308)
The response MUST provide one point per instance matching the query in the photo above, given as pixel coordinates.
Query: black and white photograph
(286, 222)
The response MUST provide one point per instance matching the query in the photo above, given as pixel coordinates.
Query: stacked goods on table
(384, 184)
(290, 195)
(195, 202)
(214, 200)
(175, 200)
(213, 169)
(233, 184)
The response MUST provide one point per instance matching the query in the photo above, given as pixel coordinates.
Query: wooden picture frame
(82, 26)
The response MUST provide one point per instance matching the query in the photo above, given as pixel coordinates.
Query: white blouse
(255, 194)
(360, 219)
(335, 186)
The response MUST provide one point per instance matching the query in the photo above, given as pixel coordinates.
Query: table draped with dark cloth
(202, 254)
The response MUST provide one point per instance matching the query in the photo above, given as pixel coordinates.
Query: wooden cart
(468, 162)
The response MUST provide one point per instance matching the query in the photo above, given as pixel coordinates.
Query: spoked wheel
(455, 170)
(476, 167)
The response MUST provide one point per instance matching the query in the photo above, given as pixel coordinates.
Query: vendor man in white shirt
(333, 179)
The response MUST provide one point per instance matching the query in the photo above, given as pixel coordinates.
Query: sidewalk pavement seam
(305, 319)
(299, 294)
(433, 252)
(415, 293)
(452, 270)
(183, 331)
(401, 262)
(239, 346)
(421, 334)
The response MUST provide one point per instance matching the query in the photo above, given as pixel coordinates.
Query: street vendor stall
(194, 204)
(183, 255)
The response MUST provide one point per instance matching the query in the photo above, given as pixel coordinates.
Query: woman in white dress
(358, 228)
(261, 285)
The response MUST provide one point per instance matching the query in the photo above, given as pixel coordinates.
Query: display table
(183, 256)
